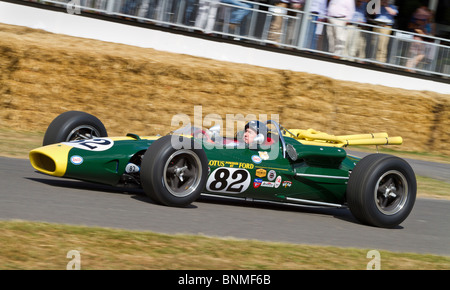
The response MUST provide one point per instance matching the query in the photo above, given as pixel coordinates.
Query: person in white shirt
(339, 12)
(357, 32)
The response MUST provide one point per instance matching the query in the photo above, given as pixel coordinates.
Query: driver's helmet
(258, 127)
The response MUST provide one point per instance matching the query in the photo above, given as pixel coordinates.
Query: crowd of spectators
(357, 30)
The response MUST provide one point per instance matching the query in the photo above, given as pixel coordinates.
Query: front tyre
(174, 177)
(381, 190)
(73, 125)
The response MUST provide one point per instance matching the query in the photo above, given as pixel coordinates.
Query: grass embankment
(27, 245)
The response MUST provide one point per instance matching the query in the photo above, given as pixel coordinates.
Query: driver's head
(253, 129)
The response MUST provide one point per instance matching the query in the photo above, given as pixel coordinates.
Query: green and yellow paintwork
(320, 173)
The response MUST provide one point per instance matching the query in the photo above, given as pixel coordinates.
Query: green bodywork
(319, 173)
(107, 166)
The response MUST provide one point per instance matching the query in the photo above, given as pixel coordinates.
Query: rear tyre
(74, 125)
(381, 190)
(174, 177)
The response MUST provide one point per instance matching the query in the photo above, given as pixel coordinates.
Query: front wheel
(72, 126)
(381, 190)
(173, 177)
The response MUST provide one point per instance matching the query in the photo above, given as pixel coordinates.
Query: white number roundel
(96, 144)
(230, 180)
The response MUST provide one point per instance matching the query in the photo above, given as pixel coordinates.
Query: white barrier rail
(282, 27)
(61, 22)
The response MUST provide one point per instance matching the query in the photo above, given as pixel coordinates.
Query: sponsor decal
(286, 184)
(257, 182)
(76, 159)
(132, 168)
(264, 155)
(256, 159)
(267, 184)
(278, 182)
(216, 163)
(96, 144)
(231, 164)
(261, 172)
(271, 175)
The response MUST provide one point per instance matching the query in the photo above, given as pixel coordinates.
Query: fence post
(304, 25)
(435, 52)
(110, 6)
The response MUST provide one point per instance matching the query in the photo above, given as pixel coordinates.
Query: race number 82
(231, 180)
(96, 144)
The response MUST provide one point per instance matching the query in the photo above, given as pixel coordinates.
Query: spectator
(130, 7)
(237, 14)
(279, 11)
(356, 34)
(101, 4)
(421, 24)
(384, 22)
(294, 21)
(318, 9)
(430, 49)
(206, 16)
(189, 13)
(148, 8)
(340, 12)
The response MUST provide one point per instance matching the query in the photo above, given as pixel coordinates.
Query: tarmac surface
(26, 194)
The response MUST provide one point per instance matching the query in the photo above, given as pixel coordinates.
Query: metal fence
(292, 29)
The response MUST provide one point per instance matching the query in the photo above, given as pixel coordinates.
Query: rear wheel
(173, 177)
(73, 125)
(381, 190)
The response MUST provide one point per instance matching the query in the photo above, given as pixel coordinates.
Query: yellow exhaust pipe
(376, 141)
(313, 137)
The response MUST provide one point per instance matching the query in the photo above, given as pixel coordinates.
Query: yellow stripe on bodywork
(51, 159)
(124, 138)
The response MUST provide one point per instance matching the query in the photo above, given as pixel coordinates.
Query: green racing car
(266, 162)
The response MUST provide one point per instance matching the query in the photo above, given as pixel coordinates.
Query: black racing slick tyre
(174, 177)
(73, 125)
(381, 190)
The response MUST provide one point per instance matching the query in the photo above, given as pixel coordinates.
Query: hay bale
(142, 90)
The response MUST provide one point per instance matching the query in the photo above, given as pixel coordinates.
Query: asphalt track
(28, 195)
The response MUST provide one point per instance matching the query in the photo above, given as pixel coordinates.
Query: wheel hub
(82, 132)
(391, 192)
(179, 172)
(182, 173)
